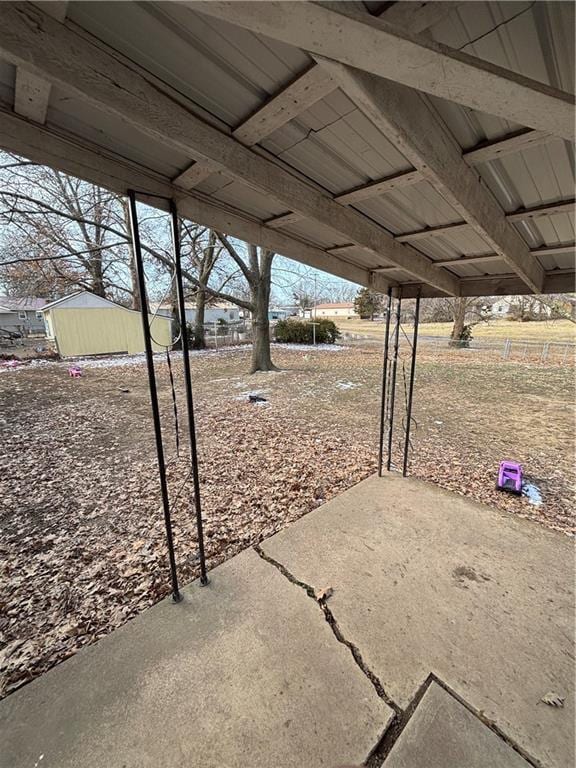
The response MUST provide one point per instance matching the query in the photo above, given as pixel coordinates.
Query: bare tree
(65, 231)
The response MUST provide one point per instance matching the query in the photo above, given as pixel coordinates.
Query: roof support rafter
(408, 119)
(92, 73)
(522, 214)
(351, 37)
(555, 281)
(545, 250)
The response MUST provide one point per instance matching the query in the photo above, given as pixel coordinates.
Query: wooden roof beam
(307, 88)
(408, 119)
(63, 56)
(354, 38)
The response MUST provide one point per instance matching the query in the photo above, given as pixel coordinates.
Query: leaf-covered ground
(82, 545)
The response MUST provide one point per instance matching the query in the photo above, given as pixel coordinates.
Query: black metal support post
(188, 384)
(411, 387)
(393, 379)
(153, 391)
(384, 378)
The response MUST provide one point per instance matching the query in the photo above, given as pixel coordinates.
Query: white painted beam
(64, 57)
(507, 145)
(195, 175)
(555, 281)
(408, 119)
(364, 42)
(545, 250)
(295, 98)
(104, 168)
(548, 209)
(32, 93)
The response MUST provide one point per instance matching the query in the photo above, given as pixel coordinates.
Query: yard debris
(82, 540)
(257, 399)
(553, 699)
(323, 594)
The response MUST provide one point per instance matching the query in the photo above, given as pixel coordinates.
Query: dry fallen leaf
(553, 699)
(323, 594)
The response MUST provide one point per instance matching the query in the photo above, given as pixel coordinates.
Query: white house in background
(504, 305)
(213, 313)
(501, 307)
(338, 309)
(22, 316)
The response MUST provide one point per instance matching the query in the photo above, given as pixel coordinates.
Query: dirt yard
(82, 545)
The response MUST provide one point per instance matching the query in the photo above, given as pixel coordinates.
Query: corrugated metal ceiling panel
(315, 233)
(226, 70)
(80, 117)
(516, 36)
(543, 174)
(409, 209)
(247, 199)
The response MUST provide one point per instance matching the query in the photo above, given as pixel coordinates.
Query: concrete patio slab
(245, 673)
(426, 581)
(442, 733)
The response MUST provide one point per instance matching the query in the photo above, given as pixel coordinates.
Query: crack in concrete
(329, 617)
(400, 718)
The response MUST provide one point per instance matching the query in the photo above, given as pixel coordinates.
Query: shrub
(301, 332)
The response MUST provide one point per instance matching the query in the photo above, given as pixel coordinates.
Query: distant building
(280, 313)
(520, 306)
(222, 311)
(22, 316)
(342, 309)
(501, 307)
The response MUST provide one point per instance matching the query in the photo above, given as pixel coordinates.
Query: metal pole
(188, 384)
(384, 377)
(411, 387)
(176, 596)
(393, 380)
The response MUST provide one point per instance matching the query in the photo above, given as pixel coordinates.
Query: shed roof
(16, 304)
(272, 122)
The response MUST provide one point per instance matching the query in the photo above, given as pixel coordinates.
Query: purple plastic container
(510, 477)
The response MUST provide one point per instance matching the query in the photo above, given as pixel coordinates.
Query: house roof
(428, 147)
(29, 304)
(336, 305)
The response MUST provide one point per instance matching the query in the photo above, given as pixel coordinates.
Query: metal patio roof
(272, 122)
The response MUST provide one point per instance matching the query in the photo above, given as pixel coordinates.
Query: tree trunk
(97, 276)
(460, 305)
(260, 289)
(199, 341)
(261, 357)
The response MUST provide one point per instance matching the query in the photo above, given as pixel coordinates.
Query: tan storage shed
(86, 324)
